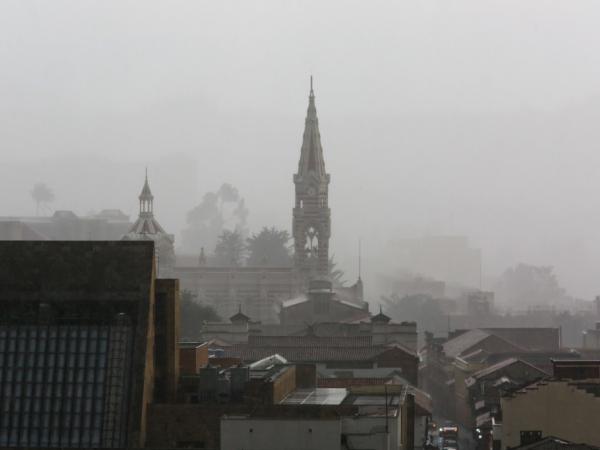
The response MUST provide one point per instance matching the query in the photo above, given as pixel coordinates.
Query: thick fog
(437, 117)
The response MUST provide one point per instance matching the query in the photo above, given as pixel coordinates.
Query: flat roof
(318, 396)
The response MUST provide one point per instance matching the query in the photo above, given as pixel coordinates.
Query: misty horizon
(442, 120)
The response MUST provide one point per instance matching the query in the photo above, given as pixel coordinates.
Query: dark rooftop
(75, 270)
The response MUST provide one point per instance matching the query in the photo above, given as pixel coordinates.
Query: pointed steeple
(312, 217)
(311, 154)
(239, 317)
(381, 317)
(147, 225)
(146, 198)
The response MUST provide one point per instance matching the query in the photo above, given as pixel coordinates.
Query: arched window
(311, 245)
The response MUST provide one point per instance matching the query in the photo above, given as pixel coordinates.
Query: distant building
(321, 304)
(262, 290)
(480, 303)
(355, 356)
(478, 396)
(591, 338)
(446, 363)
(404, 286)
(147, 228)
(109, 224)
(447, 258)
(552, 407)
(379, 328)
(87, 340)
(240, 406)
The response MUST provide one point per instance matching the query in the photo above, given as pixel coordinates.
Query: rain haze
(468, 118)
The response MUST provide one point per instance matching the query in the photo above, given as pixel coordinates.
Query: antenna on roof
(359, 258)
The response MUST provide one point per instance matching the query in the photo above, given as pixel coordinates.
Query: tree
(223, 209)
(41, 195)
(193, 314)
(269, 248)
(528, 285)
(230, 249)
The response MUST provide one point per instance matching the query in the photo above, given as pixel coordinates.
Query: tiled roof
(467, 340)
(304, 354)
(300, 341)
(499, 366)
(554, 443)
(463, 342)
(144, 227)
(530, 338)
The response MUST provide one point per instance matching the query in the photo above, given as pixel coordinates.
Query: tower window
(311, 246)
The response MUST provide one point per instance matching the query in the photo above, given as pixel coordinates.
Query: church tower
(146, 227)
(312, 216)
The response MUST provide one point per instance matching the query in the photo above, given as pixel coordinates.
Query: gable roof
(465, 342)
(313, 351)
(381, 317)
(457, 346)
(529, 338)
(499, 366)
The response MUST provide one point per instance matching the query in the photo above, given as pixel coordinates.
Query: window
(53, 383)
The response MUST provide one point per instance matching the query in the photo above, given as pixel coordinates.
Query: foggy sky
(440, 117)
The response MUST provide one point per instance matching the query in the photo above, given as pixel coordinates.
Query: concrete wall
(241, 433)
(365, 432)
(556, 408)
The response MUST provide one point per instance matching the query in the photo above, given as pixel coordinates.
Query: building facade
(262, 290)
(87, 340)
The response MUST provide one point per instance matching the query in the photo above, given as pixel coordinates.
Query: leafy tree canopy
(192, 314)
(219, 210)
(230, 249)
(270, 247)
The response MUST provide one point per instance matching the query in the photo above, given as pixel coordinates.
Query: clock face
(311, 191)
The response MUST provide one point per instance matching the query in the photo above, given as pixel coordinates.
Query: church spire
(311, 154)
(146, 198)
(312, 222)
